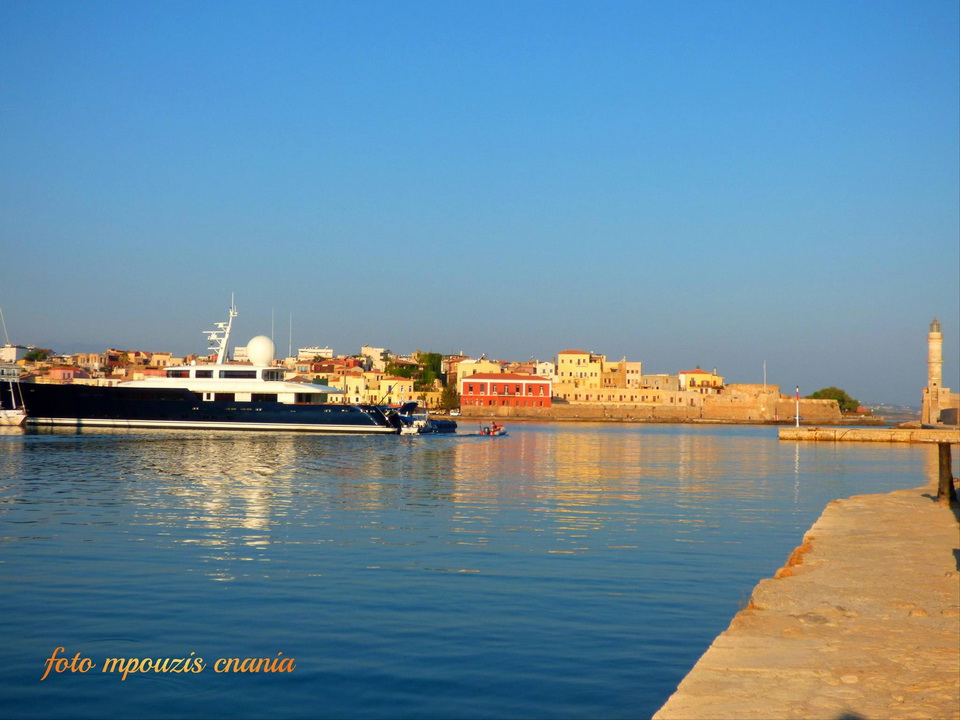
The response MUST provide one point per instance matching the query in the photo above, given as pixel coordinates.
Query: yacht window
(264, 397)
(204, 373)
(239, 374)
(178, 373)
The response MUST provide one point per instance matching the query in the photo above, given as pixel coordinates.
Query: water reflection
(561, 571)
(240, 499)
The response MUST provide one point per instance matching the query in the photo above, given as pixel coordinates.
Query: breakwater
(859, 434)
(863, 621)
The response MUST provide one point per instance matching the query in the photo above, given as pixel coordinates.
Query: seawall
(862, 622)
(630, 413)
(862, 434)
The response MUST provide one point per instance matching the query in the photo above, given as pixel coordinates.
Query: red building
(505, 390)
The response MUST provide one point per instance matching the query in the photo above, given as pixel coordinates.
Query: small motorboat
(414, 423)
(493, 430)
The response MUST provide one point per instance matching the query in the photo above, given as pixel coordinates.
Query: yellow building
(579, 376)
(428, 398)
(371, 387)
(352, 387)
(701, 381)
(165, 359)
(583, 368)
(623, 374)
(468, 367)
(394, 390)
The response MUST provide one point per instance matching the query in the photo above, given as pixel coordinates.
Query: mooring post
(946, 493)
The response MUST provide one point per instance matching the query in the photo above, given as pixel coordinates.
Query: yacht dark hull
(90, 406)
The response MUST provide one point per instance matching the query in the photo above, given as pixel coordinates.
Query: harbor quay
(883, 435)
(863, 621)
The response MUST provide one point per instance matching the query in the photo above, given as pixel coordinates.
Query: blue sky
(692, 183)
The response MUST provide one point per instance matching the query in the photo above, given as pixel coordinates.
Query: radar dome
(260, 350)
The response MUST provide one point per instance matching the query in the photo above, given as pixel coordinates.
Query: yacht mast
(219, 338)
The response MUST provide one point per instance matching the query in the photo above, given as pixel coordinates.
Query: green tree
(847, 403)
(37, 355)
(424, 382)
(424, 374)
(449, 398)
(404, 371)
(432, 363)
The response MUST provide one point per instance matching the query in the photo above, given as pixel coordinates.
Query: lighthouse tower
(931, 393)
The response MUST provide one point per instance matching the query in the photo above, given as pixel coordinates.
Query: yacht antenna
(219, 338)
(6, 339)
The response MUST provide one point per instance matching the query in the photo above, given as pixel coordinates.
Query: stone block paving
(863, 622)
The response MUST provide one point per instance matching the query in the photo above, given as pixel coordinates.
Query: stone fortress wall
(736, 403)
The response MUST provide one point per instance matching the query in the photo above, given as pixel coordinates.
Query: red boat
(494, 430)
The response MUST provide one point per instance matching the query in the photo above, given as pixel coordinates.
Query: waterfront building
(660, 382)
(505, 390)
(579, 376)
(393, 390)
(467, 367)
(429, 398)
(622, 375)
(353, 387)
(359, 387)
(701, 380)
(581, 368)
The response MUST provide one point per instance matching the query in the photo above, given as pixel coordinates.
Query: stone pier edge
(740, 676)
(856, 434)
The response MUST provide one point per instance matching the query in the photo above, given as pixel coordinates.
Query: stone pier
(855, 434)
(862, 622)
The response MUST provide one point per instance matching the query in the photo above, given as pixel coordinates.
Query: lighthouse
(931, 393)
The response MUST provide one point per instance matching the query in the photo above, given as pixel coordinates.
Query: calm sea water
(563, 571)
